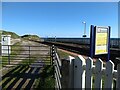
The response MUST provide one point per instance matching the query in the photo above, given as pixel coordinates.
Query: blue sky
(58, 19)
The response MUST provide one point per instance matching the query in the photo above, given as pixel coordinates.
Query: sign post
(100, 41)
(92, 41)
(6, 48)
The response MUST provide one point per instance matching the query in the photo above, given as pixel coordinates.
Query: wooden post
(79, 72)
(98, 73)
(71, 72)
(65, 73)
(109, 75)
(88, 74)
(8, 55)
(118, 75)
(53, 54)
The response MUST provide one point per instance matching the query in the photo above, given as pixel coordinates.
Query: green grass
(34, 58)
(0, 62)
(16, 50)
(46, 80)
(103, 82)
(63, 54)
(16, 47)
(14, 71)
(0, 35)
(30, 37)
(13, 52)
(28, 61)
(13, 35)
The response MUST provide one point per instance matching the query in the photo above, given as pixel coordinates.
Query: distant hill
(16, 36)
(13, 35)
(31, 37)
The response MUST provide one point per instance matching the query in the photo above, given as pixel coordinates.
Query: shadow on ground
(28, 77)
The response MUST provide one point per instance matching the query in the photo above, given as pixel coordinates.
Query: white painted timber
(58, 59)
(88, 74)
(118, 77)
(98, 73)
(109, 75)
(79, 72)
(71, 77)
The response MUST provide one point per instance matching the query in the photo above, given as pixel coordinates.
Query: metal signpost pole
(8, 55)
(92, 43)
(109, 29)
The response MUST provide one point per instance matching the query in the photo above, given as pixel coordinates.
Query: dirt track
(24, 76)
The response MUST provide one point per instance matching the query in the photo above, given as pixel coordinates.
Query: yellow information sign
(101, 40)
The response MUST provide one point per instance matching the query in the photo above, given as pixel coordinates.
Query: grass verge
(47, 80)
(63, 54)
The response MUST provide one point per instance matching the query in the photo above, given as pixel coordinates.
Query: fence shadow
(21, 77)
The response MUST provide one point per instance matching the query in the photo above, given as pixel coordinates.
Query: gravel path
(26, 51)
(24, 76)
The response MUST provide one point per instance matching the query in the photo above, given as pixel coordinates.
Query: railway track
(83, 49)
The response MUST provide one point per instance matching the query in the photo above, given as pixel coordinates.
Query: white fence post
(79, 72)
(109, 75)
(98, 73)
(118, 77)
(71, 78)
(88, 74)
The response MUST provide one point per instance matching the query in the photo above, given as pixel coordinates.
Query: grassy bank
(13, 35)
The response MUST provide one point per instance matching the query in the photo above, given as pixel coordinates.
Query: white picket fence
(58, 76)
(57, 68)
(81, 73)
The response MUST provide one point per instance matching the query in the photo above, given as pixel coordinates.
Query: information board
(6, 42)
(101, 40)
